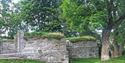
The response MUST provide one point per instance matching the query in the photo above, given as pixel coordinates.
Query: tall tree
(105, 15)
(114, 19)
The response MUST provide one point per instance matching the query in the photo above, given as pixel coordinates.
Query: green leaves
(98, 20)
(74, 14)
(83, 17)
(41, 15)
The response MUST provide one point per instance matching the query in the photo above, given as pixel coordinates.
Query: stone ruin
(44, 49)
(48, 50)
(83, 49)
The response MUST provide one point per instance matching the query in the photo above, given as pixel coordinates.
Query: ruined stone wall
(49, 50)
(7, 46)
(84, 49)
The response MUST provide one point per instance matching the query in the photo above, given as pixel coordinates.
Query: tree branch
(119, 20)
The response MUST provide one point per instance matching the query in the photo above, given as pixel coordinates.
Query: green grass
(19, 61)
(54, 35)
(78, 60)
(95, 60)
(81, 60)
(81, 38)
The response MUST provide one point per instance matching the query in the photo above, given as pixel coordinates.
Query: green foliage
(119, 33)
(84, 18)
(9, 18)
(4, 15)
(54, 35)
(41, 15)
(81, 38)
(19, 61)
(74, 14)
(98, 20)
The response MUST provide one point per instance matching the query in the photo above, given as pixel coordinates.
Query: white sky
(15, 1)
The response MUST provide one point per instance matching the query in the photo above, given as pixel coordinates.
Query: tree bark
(105, 45)
(118, 47)
(121, 48)
(115, 51)
(106, 32)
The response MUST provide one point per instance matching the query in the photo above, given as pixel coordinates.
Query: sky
(15, 1)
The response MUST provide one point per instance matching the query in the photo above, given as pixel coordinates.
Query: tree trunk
(105, 45)
(121, 48)
(115, 51)
(118, 47)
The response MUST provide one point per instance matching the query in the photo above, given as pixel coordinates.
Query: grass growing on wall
(6, 37)
(81, 38)
(19, 61)
(54, 35)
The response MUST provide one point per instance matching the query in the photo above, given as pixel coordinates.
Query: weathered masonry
(83, 49)
(51, 48)
(44, 48)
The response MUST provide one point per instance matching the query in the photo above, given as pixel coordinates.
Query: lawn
(90, 60)
(19, 61)
(95, 60)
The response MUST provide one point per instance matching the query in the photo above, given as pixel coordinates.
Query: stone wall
(7, 46)
(84, 49)
(49, 50)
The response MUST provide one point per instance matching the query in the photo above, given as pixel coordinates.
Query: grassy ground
(90, 60)
(94, 60)
(19, 61)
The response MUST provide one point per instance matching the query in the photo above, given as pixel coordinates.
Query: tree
(76, 14)
(114, 19)
(41, 15)
(4, 15)
(105, 15)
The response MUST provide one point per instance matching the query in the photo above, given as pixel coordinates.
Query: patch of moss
(54, 35)
(81, 38)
